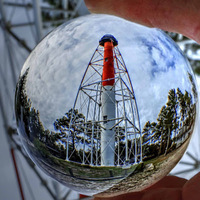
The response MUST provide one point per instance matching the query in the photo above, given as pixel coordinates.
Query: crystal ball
(104, 105)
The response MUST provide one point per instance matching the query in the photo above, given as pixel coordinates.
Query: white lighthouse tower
(108, 102)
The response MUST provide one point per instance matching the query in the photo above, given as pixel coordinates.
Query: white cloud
(58, 63)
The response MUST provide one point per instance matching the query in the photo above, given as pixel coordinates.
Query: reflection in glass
(95, 126)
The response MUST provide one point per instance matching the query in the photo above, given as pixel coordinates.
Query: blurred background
(23, 23)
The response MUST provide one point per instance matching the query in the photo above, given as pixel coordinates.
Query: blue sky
(155, 65)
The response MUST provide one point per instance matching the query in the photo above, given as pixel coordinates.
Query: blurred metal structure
(23, 23)
(20, 31)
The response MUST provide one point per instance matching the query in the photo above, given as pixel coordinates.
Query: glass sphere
(106, 105)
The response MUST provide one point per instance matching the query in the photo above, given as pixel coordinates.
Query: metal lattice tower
(105, 115)
(18, 46)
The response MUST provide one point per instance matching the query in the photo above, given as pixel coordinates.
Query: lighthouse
(108, 101)
(105, 126)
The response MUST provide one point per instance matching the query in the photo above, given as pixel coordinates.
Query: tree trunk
(168, 139)
(160, 149)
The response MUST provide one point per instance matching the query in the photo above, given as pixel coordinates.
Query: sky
(150, 77)
(155, 65)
